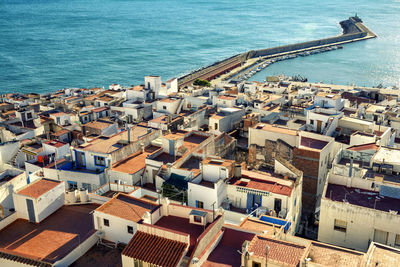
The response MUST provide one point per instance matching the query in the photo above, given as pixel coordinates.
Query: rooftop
(362, 198)
(312, 143)
(53, 238)
(127, 207)
(281, 252)
(155, 250)
(230, 243)
(274, 129)
(259, 226)
(182, 225)
(331, 256)
(383, 256)
(111, 144)
(38, 188)
(263, 182)
(134, 162)
(55, 143)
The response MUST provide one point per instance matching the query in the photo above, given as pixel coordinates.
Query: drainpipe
(351, 167)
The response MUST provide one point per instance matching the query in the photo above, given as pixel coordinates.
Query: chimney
(238, 171)
(129, 135)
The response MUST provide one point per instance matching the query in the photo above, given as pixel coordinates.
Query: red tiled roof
(55, 143)
(263, 183)
(38, 188)
(362, 147)
(155, 249)
(280, 251)
(99, 109)
(127, 207)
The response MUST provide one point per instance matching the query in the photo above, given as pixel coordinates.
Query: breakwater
(353, 30)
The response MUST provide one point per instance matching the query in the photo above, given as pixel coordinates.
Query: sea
(47, 45)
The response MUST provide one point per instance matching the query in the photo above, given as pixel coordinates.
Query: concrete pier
(353, 31)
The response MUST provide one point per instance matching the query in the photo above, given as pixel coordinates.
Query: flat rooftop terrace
(362, 198)
(225, 254)
(182, 225)
(52, 239)
(312, 143)
(332, 256)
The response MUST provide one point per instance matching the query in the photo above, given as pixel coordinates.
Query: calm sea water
(51, 44)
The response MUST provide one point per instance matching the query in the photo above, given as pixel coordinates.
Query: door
(250, 201)
(319, 125)
(277, 205)
(31, 210)
(257, 200)
(80, 159)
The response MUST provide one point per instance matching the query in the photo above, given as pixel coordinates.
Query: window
(381, 236)
(256, 264)
(199, 204)
(130, 229)
(340, 226)
(197, 219)
(72, 185)
(216, 126)
(99, 161)
(29, 115)
(138, 263)
(87, 186)
(164, 107)
(106, 222)
(397, 241)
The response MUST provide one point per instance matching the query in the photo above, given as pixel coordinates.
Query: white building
(118, 218)
(36, 201)
(360, 202)
(226, 120)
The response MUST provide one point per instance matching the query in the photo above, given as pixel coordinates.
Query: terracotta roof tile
(155, 249)
(279, 251)
(38, 188)
(127, 207)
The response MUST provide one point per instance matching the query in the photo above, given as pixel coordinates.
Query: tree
(202, 83)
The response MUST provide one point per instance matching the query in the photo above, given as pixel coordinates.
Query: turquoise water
(51, 44)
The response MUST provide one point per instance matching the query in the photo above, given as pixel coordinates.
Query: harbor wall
(305, 45)
(353, 30)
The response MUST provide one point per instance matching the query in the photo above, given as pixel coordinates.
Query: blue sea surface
(46, 45)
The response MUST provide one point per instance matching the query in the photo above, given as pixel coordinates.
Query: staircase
(13, 160)
(328, 126)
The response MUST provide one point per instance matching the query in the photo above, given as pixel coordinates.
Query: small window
(197, 219)
(130, 229)
(106, 222)
(199, 204)
(100, 161)
(164, 107)
(340, 226)
(29, 115)
(216, 126)
(256, 264)
(397, 241)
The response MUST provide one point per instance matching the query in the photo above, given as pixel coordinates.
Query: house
(361, 196)
(61, 118)
(119, 217)
(226, 120)
(99, 128)
(36, 201)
